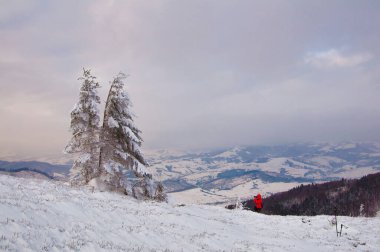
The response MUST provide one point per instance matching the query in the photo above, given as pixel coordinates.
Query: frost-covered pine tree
(85, 132)
(121, 161)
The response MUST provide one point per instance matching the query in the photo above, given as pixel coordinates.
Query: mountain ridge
(256, 168)
(220, 176)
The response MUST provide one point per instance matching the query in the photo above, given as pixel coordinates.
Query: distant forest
(349, 197)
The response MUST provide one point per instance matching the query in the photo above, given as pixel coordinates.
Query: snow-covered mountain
(38, 215)
(224, 175)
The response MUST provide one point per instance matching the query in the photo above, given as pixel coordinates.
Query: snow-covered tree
(85, 131)
(122, 163)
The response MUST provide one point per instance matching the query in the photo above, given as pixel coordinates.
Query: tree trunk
(101, 133)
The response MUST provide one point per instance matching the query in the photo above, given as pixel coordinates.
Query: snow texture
(130, 134)
(40, 215)
(112, 123)
(82, 159)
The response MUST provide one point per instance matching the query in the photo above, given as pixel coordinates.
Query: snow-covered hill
(37, 215)
(224, 175)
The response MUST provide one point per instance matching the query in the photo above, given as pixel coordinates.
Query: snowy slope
(37, 215)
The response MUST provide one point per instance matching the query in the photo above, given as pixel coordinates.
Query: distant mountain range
(28, 168)
(221, 176)
(224, 175)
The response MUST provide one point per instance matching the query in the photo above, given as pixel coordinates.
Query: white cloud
(335, 58)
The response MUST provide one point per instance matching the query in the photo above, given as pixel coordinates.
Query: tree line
(349, 197)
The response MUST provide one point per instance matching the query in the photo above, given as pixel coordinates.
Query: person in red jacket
(258, 202)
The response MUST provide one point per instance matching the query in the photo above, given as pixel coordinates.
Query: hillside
(353, 197)
(223, 175)
(38, 215)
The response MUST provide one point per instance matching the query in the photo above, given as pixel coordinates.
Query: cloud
(202, 73)
(334, 58)
(16, 10)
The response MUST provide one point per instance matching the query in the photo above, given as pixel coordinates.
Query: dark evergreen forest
(349, 197)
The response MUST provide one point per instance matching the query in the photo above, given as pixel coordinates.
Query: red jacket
(258, 201)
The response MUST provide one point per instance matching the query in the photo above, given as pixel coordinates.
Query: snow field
(243, 191)
(37, 215)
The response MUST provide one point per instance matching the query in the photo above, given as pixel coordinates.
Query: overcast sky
(203, 74)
